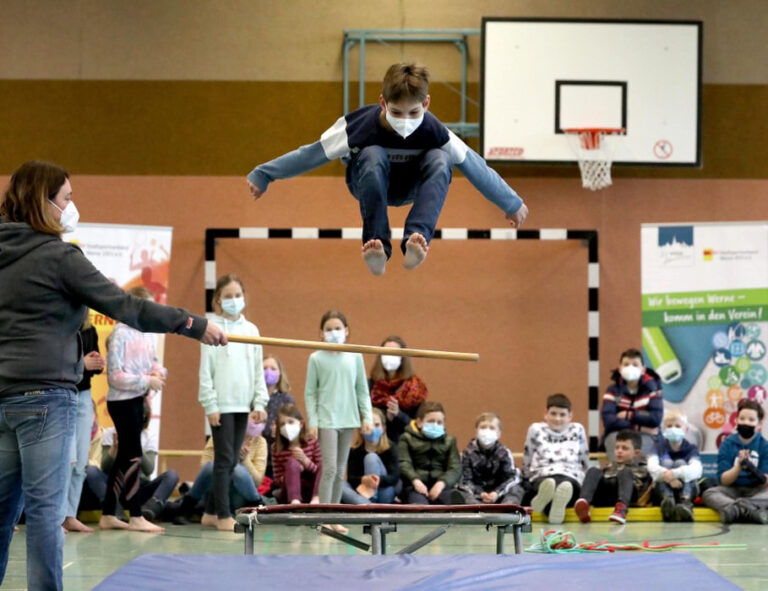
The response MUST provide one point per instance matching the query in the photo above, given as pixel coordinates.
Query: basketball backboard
(540, 76)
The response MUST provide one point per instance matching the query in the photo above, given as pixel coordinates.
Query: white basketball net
(595, 156)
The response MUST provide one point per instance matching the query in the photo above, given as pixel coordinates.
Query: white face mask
(631, 373)
(233, 306)
(290, 430)
(69, 216)
(337, 335)
(487, 437)
(391, 362)
(404, 127)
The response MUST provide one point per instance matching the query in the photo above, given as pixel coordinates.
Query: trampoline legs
(249, 540)
(502, 531)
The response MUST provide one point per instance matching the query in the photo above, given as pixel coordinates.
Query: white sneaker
(544, 495)
(560, 500)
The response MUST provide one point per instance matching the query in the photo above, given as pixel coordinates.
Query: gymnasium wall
(160, 108)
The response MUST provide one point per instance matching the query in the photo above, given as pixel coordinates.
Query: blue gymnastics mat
(489, 572)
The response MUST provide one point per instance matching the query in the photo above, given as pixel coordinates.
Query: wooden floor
(89, 558)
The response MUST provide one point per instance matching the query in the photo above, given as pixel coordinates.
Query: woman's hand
(213, 335)
(94, 362)
(214, 419)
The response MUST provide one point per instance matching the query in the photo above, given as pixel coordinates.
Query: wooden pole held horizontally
(350, 348)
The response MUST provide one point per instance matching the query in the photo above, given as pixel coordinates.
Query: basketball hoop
(594, 154)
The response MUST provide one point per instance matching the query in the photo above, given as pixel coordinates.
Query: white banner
(129, 256)
(705, 320)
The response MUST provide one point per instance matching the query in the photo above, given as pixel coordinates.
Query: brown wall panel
(225, 128)
(521, 305)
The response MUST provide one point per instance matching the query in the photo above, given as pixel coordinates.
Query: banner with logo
(129, 256)
(705, 321)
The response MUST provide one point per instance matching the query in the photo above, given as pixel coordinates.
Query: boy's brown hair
(560, 401)
(632, 436)
(631, 354)
(428, 407)
(488, 416)
(405, 81)
(751, 405)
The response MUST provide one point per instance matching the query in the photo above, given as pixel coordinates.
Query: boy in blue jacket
(742, 462)
(396, 153)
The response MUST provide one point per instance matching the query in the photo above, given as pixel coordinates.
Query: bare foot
(415, 251)
(338, 528)
(295, 502)
(111, 522)
(315, 500)
(141, 524)
(16, 528)
(226, 524)
(209, 520)
(375, 257)
(74, 524)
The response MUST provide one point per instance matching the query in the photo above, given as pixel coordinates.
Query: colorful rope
(563, 542)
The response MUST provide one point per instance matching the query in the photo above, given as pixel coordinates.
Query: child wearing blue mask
(429, 459)
(337, 401)
(231, 386)
(397, 153)
(373, 472)
(675, 468)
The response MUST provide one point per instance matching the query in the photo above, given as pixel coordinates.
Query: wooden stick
(293, 343)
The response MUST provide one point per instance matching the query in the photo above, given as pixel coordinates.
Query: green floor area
(89, 558)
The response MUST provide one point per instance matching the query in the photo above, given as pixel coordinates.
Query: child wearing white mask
(633, 401)
(296, 459)
(231, 386)
(337, 402)
(488, 473)
(395, 389)
(675, 468)
(397, 153)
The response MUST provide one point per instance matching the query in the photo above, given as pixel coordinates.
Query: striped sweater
(280, 458)
(645, 407)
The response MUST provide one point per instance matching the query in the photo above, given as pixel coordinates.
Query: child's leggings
(227, 440)
(123, 481)
(334, 448)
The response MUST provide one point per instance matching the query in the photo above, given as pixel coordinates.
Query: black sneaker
(729, 514)
(181, 520)
(754, 514)
(457, 497)
(668, 508)
(152, 508)
(684, 511)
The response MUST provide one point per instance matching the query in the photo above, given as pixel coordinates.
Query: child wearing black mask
(742, 462)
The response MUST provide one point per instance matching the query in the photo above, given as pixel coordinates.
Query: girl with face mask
(279, 389)
(337, 401)
(632, 401)
(373, 474)
(395, 388)
(231, 385)
(296, 459)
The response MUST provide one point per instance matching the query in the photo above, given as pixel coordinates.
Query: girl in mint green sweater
(337, 401)
(231, 385)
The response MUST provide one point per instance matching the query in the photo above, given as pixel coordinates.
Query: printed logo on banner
(675, 246)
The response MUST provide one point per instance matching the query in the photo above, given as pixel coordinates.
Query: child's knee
(438, 160)
(373, 155)
(293, 465)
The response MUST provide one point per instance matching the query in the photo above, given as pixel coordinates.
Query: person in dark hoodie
(430, 464)
(46, 285)
(632, 401)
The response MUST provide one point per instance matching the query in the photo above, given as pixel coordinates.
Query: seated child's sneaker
(457, 497)
(729, 514)
(544, 495)
(582, 510)
(753, 514)
(560, 499)
(668, 508)
(684, 511)
(619, 514)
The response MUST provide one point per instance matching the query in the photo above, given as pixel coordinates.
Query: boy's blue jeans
(372, 464)
(35, 445)
(376, 183)
(242, 488)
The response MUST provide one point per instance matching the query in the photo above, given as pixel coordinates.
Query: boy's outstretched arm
(486, 180)
(331, 145)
